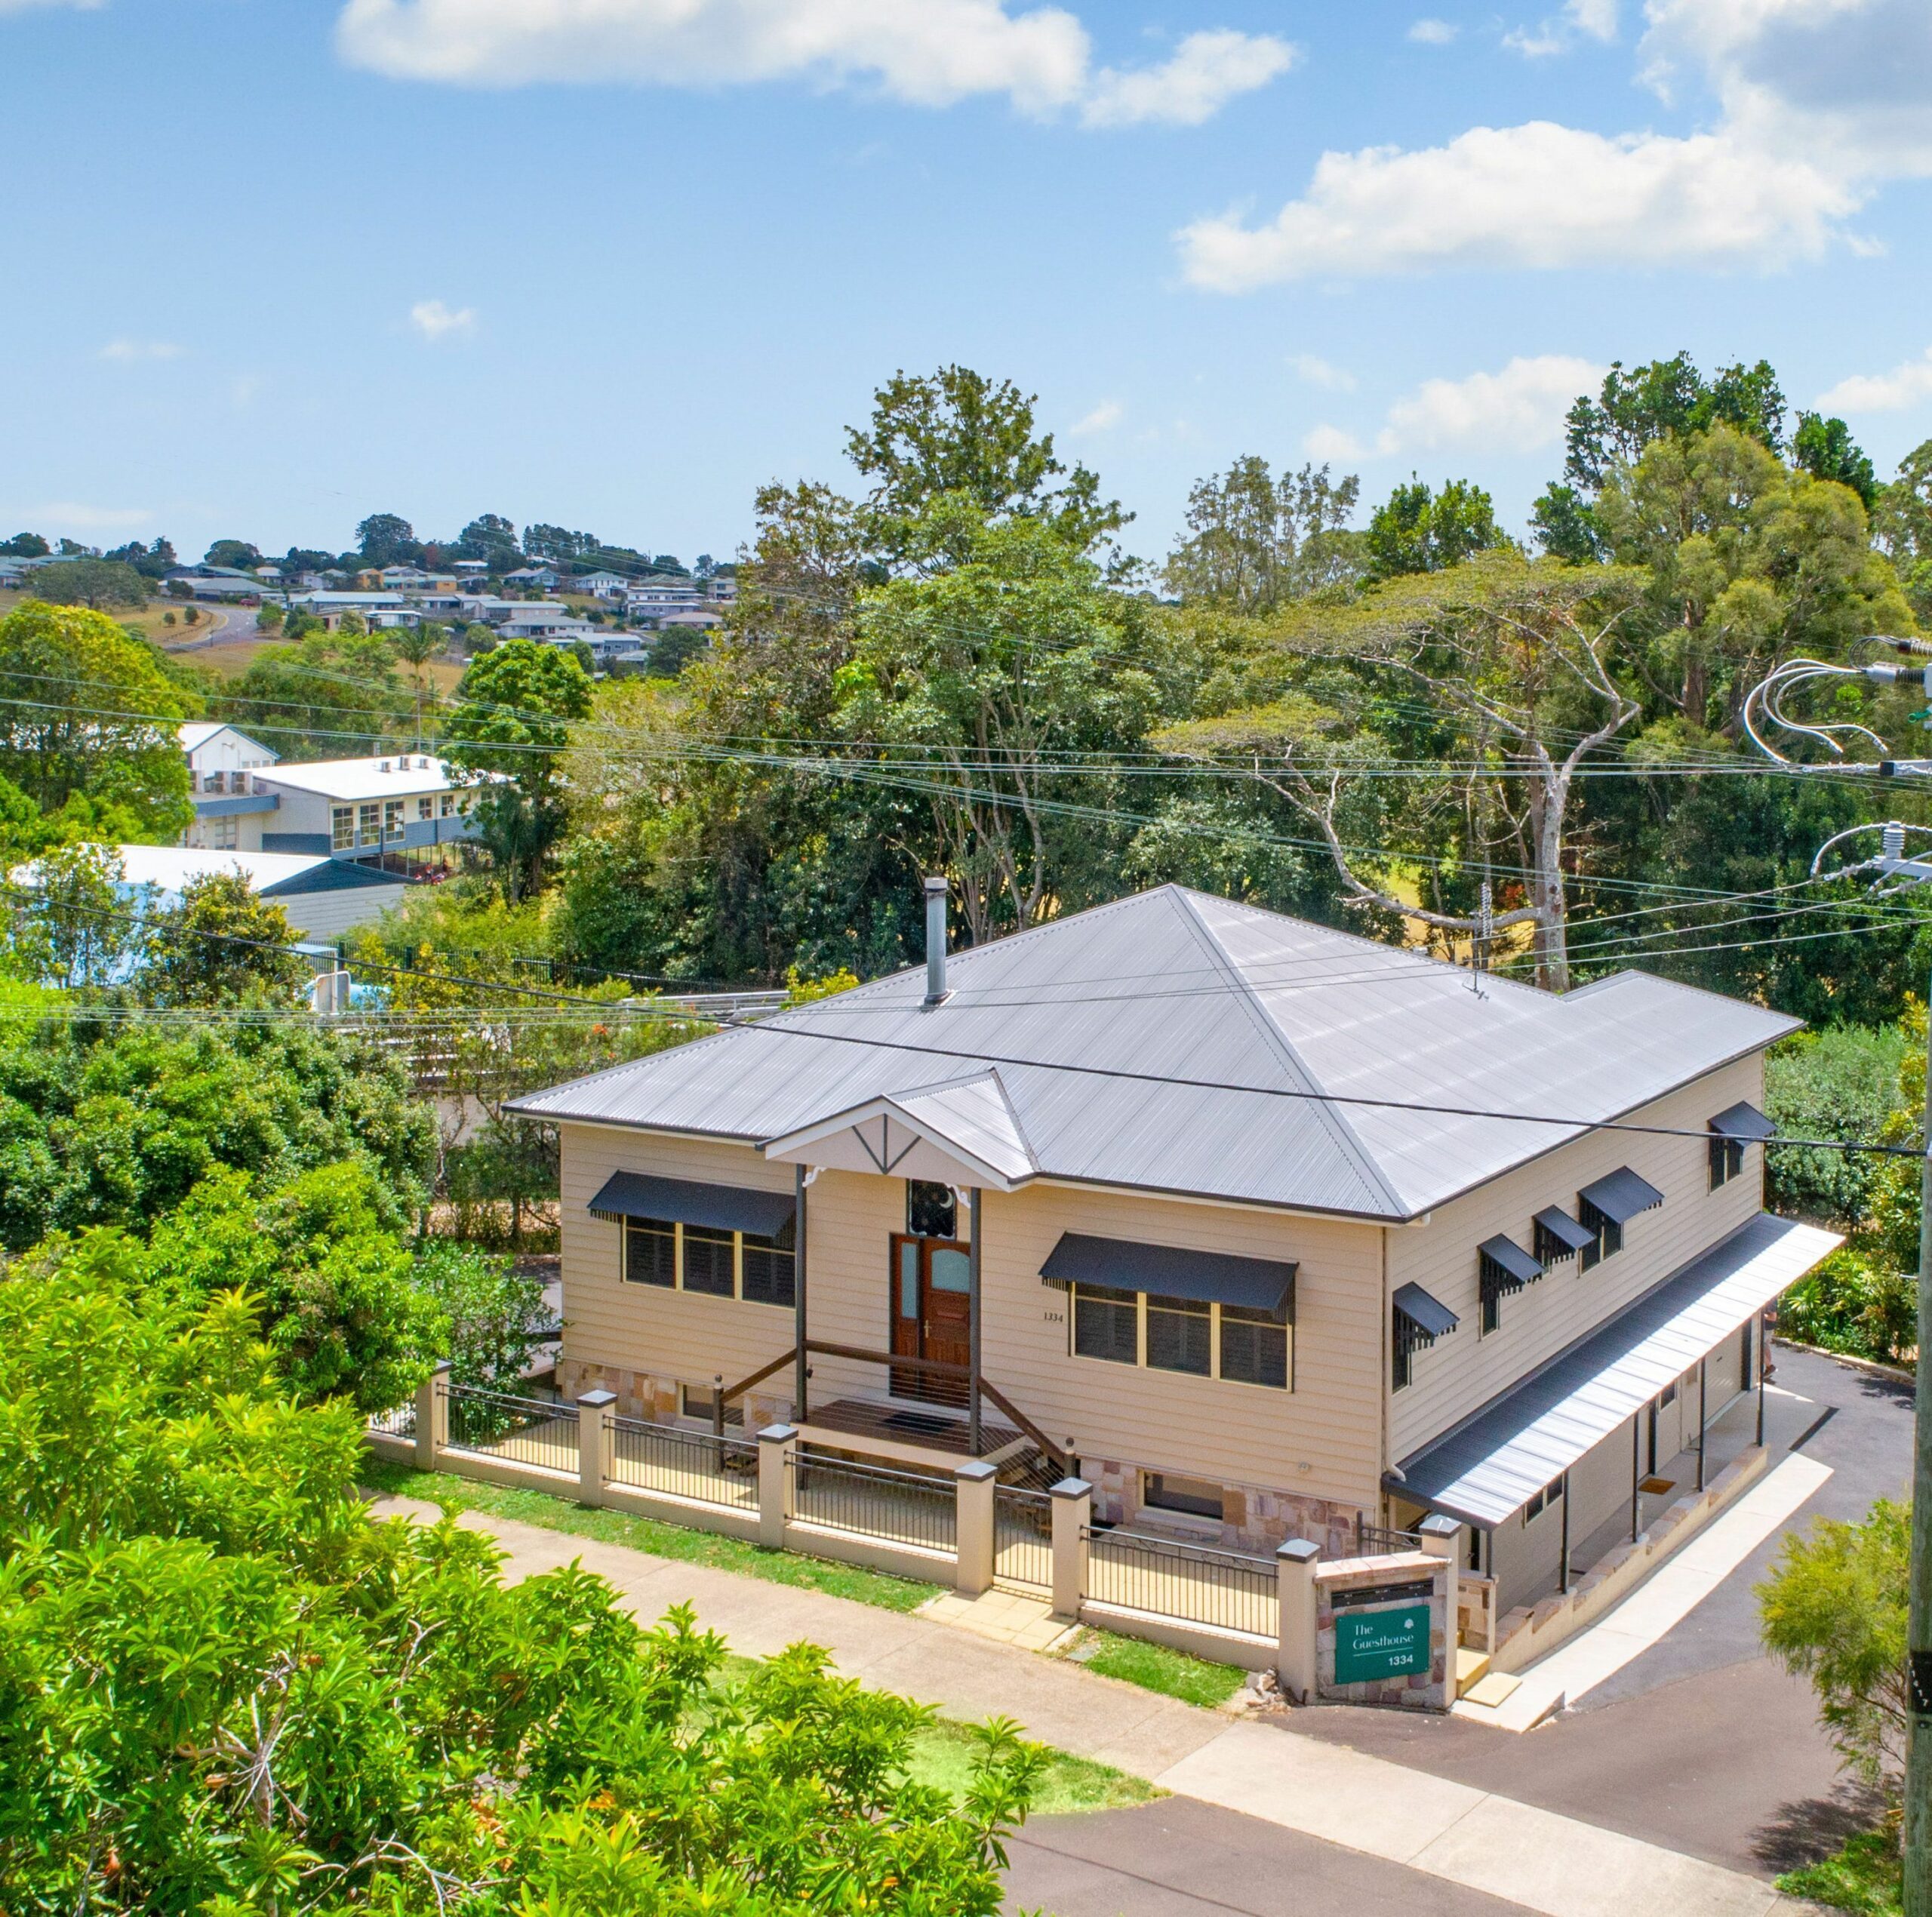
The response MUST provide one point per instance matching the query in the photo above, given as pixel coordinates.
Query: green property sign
(1374, 1644)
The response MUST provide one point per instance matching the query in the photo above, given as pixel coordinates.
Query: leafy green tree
(1666, 398)
(1825, 449)
(1833, 1611)
(235, 552)
(512, 714)
(495, 1314)
(1255, 542)
(1417, 530)
(101, 583)
(26, 545)
(492, 539)
(386, 539)
(85, 709)
(1748, 560)
(221, 943)
(152, 562)
(957, 432)
(330, 695)
(227, 1688)
(1567, 527)
(104, 1125)
(415, 646)
(1902, 521)
(74, 923)
(1840, 1082)
(675, 647)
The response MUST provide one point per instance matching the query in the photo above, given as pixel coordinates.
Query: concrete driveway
(1700, 1743)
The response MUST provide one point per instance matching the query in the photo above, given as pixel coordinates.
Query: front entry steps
(1471, 1667)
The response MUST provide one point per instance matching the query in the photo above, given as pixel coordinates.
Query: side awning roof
(1485, 1470)
(1743, 1120)
(1564, 1228)
(1426, 1312)
(1622, 1195)
(1511, 1259)
(1205, 1277)
(724, 1207)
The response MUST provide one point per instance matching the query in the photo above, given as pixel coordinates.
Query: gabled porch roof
(961, 1131)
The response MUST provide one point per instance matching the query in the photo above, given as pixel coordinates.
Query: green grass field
(1172, 1673)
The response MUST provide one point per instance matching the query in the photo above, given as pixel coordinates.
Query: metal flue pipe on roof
(935, 940)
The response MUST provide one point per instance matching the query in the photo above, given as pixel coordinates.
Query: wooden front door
(931, 1315)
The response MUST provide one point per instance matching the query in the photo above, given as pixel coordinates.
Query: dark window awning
(724, 1207)
(1743, 1120)
(1511, 1259)
(1429, 1315)
(1564, 1228)
(1622, 1195)
(1207, 1277)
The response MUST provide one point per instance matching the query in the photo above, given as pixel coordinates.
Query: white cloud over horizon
(934, 53)
(435, 321)
(1108, 413)
(1819, 103)
(1318, 372)
(1905, 385)
(1430, 32)
(129, 350)
(1519, 408)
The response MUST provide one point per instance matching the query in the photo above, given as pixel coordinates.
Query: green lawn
(1172, 1673)
(1864, 1876)
(942, 1756)
(660, 1540)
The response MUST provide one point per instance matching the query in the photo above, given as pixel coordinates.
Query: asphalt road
(1179, 1857)
(1701, 1743)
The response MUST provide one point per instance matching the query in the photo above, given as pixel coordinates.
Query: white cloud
(1330, 442)
(1433, 32)
(1207, 70)
(1819, 103)
(86, 518)
(1536, 195)
(435, 321)
(1905, 385)
(1596, 18)
(1318, 372)
(1108, 413)
(135, 349)
(1518, 410)
(928, 53)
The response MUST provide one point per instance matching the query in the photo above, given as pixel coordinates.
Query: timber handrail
(1061, 1463)
(720, 1396)
(940, 1367)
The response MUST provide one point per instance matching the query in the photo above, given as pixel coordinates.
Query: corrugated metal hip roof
(1488, 1470)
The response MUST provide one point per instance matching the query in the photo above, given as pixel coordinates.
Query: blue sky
(614, 262)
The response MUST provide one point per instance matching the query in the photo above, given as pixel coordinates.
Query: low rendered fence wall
(965, 1529)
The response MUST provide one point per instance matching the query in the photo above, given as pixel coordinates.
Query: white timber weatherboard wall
(1319, 1440)
(1465, 1371)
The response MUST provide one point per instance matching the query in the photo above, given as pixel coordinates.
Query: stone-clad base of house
(1252, 1518)
(645, 1395)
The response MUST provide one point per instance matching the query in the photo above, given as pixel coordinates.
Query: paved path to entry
(1379, 1834)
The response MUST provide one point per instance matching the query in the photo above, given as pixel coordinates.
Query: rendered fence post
(1295, 1562)
(432, 1417)
(777, 1444)
(593, 1444)
(973, 1527)
(1442, 1538)
(1072, 1511)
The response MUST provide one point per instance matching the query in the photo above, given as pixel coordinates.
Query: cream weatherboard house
(1268, 1232)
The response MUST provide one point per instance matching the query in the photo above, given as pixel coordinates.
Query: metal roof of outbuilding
(1103, 1025)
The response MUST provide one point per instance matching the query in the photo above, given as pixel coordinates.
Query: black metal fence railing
(537, 1431)
(1225, 1588)
(693, 1464)
(899, 1507)
(398, 1422)
(1378, 1540)
(1023, 1537)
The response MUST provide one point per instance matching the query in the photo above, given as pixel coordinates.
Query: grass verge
(651, 1534)
(1866, 1875)
(1154, 1667)
(942, 1757)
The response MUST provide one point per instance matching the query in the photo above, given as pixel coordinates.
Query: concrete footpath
(1435, 1827)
